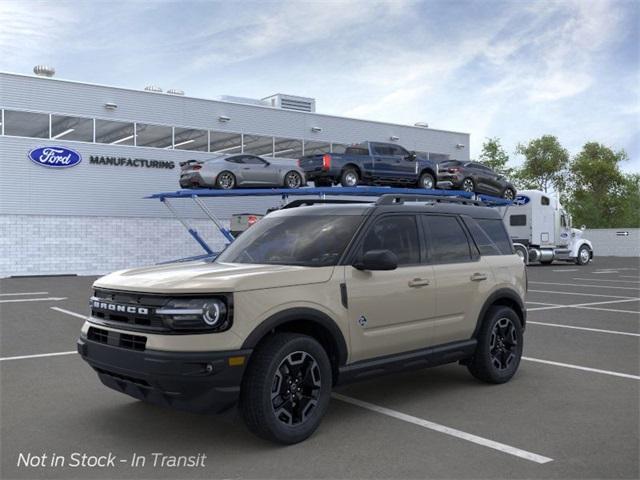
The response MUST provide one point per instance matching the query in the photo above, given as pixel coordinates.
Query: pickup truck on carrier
(371, 163)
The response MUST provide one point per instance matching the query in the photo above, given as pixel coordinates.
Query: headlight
(202, 314)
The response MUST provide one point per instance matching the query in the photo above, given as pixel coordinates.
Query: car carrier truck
(541, 230)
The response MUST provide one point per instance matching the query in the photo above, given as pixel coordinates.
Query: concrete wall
(607, 242)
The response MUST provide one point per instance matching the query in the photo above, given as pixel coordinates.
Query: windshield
(307, 240)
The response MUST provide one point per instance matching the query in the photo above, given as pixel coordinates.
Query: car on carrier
(241, 170)
(371, 163)
(475, 177)
(309, 298)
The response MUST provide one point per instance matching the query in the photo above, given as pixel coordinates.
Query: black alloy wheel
(504, 344)
(468, 185)
(293, 179)
(296, 388)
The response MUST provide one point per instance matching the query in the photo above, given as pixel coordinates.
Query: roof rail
(316, 201)
(391, 199)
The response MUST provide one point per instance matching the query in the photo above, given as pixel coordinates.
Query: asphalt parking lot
(572, 411)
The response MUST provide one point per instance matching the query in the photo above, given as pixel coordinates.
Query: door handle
(419, 282)
(478, 277)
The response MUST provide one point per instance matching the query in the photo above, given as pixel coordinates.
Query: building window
(225, 142)
(338, 147)
(287, 148)
(71, 128)
(258, 145)
(190, 139)
(114, 133)
(26, 124)
(315, 148)
(157, 136)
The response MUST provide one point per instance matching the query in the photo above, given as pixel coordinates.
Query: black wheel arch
(505, 297)
(307, 321)
(354, 167)
(430, 171)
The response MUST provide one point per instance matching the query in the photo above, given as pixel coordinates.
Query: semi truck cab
(541, 230)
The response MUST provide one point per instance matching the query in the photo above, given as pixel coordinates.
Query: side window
(518, 220)
(235, 159)
(398, 233)
(563, 220)
(251, 160)
(544, 201)
(494, 228)
(399, 151)
(448, 241)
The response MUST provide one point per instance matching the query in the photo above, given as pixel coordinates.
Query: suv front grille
(122, 340)
(123, 309)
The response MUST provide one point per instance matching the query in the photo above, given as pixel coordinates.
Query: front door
(390, 311)
(257, 171)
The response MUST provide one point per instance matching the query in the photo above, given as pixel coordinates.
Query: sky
(514, 70)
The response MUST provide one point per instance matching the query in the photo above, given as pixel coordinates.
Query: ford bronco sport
(309, 298)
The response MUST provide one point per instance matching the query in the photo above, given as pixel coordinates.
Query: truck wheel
(286, 389)
(349, 178)
(226, 180)
(468, 185)
(427, 181)
(499, 347)
(584, 255)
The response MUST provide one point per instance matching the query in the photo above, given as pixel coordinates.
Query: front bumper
(193, 381)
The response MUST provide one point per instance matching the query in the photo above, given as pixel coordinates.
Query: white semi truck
(541, 230)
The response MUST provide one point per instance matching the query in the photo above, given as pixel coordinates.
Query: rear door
(390, 311)
(462, 277)
(383, 160)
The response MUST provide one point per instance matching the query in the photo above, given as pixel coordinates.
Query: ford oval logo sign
(55, 157)
(521, 200)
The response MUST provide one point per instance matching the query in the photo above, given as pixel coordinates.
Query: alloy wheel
(508, 194)
(584, 255)
(427, 182)
(467, 185)
(351, 179)
(226, 181)
(504, 344)
(295, 390)
(293, 180)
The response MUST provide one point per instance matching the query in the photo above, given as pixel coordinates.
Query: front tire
(349, 178)
(427, 181)
(508, 194)
(584, 255)
(499, 347)
(286, 389)
(226, 180)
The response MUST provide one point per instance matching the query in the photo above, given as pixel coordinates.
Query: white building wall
(612, 241)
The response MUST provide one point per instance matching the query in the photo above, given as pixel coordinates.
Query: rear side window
(397, 233)
(518, 220)
(490, 236)
(448, 241)
(356, 151)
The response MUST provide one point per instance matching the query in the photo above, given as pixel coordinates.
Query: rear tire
(349, 178)
(293, 179)
(286, 388)
(499, 347)
(225, 180)
(427, 181)
(508, 194)
(468, 185)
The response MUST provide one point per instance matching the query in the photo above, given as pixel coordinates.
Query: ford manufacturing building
(92, 218)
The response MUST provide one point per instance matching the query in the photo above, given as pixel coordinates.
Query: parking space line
(604, 280)
(47, 299)
(73, 314)
(567, 270)
(610, 310)
(533, 457)
(40, 355)
(628, 276)
(23, 293)
(587, 286)
(581, 294)
(546, 304)
(587, 305)
(580, 367)
(597, 330)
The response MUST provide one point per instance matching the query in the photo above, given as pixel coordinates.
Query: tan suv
(309, 298)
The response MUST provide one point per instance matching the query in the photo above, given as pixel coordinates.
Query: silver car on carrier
(241, 170)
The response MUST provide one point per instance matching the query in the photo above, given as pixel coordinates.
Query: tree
(494, 156)
(600, 195)
(545, 163)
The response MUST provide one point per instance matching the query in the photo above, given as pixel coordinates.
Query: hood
(206, 277)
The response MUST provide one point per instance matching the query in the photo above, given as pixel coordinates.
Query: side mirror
(377, 260)
(583, 228)
(266, 164)
(412, 156)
